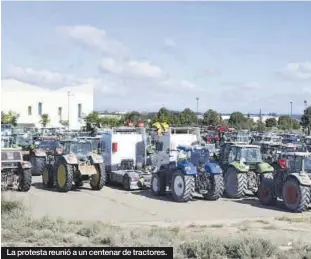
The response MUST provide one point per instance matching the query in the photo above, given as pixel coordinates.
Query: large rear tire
(25, 179)
(182, 187)
(64, 177)
(98, 180)
(296, 197)
(235, 183)
(265, 192)
(217, 188)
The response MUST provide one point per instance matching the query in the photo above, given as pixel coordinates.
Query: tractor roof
(11, 149)
(245, 146)
(300, 154)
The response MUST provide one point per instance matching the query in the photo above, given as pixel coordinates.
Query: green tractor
(243, 169)
(74, 164)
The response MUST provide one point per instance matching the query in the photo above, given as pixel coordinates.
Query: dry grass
(20, 229)
(295, 219)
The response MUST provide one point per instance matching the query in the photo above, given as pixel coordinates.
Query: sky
(233, 56)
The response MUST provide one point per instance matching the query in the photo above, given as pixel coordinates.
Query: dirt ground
(113, 205)
(137, 218)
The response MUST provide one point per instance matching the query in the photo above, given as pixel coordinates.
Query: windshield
(308, 164)
(48, 144)
(80, 148)
(251, 155)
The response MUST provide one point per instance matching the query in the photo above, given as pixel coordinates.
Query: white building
(30, 102)
(255, 118)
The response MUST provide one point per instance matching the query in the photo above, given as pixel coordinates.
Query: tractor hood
(187, 167)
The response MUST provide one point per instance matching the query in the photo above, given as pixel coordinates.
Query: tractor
(14, 171)
(243, 169)
(74, 164)
(43, 154)
(191, 173)
(291, 184)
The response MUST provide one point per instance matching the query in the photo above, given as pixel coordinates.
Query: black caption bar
(87, 252)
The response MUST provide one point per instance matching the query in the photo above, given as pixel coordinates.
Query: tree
(187, 117)
(237, 119)
(10, 117)
(92, 119)
(164, 115)
(64, 123)
(286, 122)
(271, 122)
(133, 116)
(45, 120)
(211, 118)
(306, 120)
(261, 126)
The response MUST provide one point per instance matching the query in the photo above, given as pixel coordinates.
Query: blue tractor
(190, 173)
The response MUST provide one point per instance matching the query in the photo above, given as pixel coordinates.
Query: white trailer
(178, 136)
(125, 156)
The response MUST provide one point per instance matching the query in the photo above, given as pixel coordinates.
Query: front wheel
(47, 176)
(25, 179)
(217, 188)
(158, 185)
(265, 193)
(182, 187)
(235, 183)
(64, 177)
(296, 197)
(98, 180)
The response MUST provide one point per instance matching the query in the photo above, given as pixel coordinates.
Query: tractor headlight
(187, 168)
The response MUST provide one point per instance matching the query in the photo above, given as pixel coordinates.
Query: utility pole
(291, 116)
(68, 110)
(197, 111)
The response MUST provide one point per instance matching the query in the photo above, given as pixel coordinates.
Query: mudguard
(302, 178)
(39, 152)
(240, 167)
(96, 159)
(71, 159)
(26, 164)
(264, 168)
(213, 168)
(187, 168)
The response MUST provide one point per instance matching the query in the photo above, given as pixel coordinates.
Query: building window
(40, 108)
(79, 110)
(29, 110)
(60, 111)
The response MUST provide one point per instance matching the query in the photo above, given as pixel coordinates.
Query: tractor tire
(38, 164)
(126, 182)
(182, 187)
(64, 176)
(158, 185)
(25, 179)
(48, 177)
(235, 183)
(296, 197)
(217, 188)
(265, 192)
(98, 181)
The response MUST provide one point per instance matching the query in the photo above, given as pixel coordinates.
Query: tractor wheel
(265, 190)
(235, 183)
(217, 188)
(296, 196)
(64, 177)
(38, 164)
(98, 180)
(158, 185)
(25, 179)
(126, 182)
(182, 187)
(47, 176)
